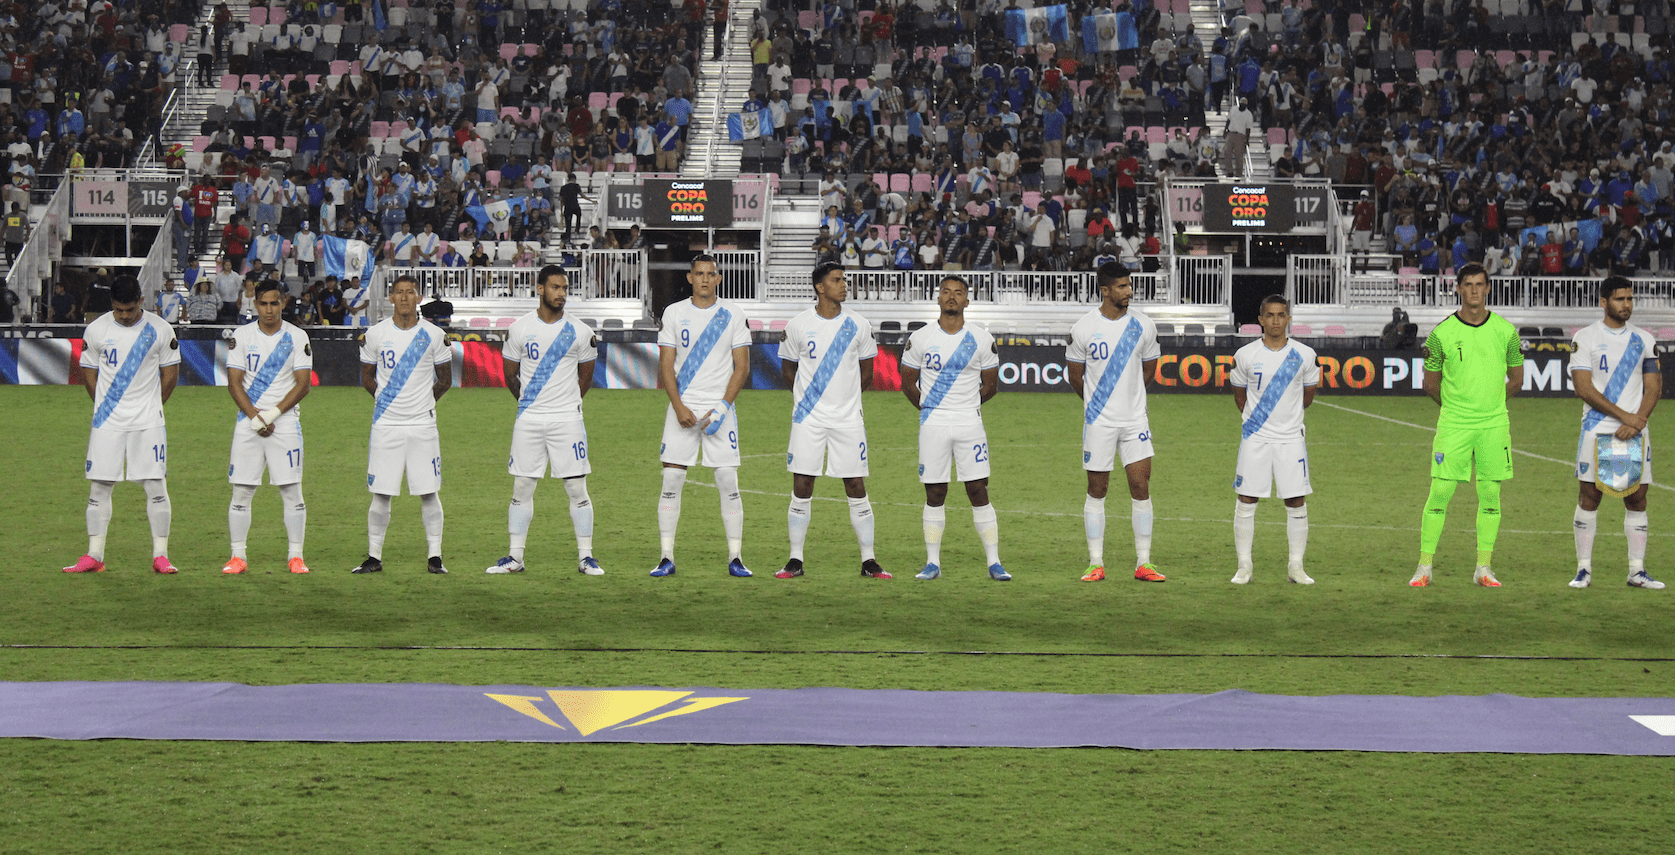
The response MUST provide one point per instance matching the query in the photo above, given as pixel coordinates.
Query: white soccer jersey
(704, 341)
(268, 361)
(1114, 385)
(406, 361)
(828, 352)
(547, 357)
(950, 372)
(1617, 358)
(130, 392)
(1273, 381)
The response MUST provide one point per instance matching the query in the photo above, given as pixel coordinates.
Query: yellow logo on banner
(590, 711)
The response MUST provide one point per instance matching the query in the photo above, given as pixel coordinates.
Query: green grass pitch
(1359, 630)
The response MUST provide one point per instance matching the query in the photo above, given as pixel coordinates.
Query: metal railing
(741, 271)
(158, 263)
(45, 245)
(599, 274)
(1378, 280)
(999, 286)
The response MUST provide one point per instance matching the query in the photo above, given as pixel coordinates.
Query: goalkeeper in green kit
(1473, 364)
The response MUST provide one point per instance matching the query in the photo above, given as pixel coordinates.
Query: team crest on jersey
(1582, 468)
(662, 448)
(229, 470)
(593, 341)
(788, 458)
(90, 467)
(907, 347)
(369, 479)
(921, 469)
(174, 344)
(1087, 456)
(994, 347)
(1439, 457)
(1238, 481)
(307, 350)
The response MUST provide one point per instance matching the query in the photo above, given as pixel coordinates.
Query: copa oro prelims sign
(675, 202)
(1249, 207)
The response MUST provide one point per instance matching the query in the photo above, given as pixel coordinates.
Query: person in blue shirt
(71, 123)
(1428, 261)
(37, 120)
(1052, 133)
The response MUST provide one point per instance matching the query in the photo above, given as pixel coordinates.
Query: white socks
(160, 512)
(668, 508)
(1093, 523)
(1297, 533)
(796, 524)
(1587, 525)
(1142, 522)
(1634, 527)
(1244, 531)
(732, 509)
(238, 518)
(988, 531)
(520, 514)
(936, 520)
(296, 518)
(377, 523)
(430, 510)
(98, 517)
(860, 519)
(581, 514)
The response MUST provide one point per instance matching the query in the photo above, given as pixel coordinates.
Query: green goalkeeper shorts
(1455, 450)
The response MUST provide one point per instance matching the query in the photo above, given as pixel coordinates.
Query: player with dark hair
(549, 367)
(948, 371)
(1274, 380)
(406, 365)
(1614, 368)
(1114, 348)
(269, 367)
(703, 362)
(827, 431)
(1474, 363)
(129, 366)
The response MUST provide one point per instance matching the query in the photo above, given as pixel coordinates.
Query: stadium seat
(229, 82)
(776, 325)
(258, 15)
(1165, 329)
(1336, 329)
(1301, 329)
(1250, 329)
(755, 325)
(276, 16)
(924, 183)
(179, 33)
(613, 323)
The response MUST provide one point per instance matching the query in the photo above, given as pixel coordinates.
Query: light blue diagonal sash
(269, 372)
(1277, 385)
(548, 364)
(701, 350)
(828, 366)
(125, 375)
(945, 378)
(1627, 367)
(1113, 371)
(403, 371)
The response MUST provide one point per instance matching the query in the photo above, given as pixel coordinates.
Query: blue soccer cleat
(998, 573)
(590, 567)
(663, 568)
(1583, 578)
(931, 571)
(1641, 580)
(736, 568)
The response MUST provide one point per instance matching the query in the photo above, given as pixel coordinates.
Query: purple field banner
(1230, 720)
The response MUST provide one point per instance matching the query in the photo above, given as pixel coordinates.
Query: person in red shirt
(1078, 172)
(1552, 255)
(204, 200)
(1099, 226)
(1128, 191)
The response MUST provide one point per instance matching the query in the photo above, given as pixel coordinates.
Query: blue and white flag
(1038, 26)
(379, 22)
(345, 258)
(1099, 33)
(749, 125)
(497, 215)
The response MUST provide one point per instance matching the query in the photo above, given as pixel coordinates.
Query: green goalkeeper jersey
(1473, 361)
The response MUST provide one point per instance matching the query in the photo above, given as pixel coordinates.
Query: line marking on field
(1569, 464)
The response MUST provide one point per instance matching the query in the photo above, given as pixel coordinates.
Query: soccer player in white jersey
(269, 366)
(703, 361)
(1112, 355)
(406, 365)
(549, 367)
(129, 366)
(827, 431)
(948, 371)
(1274, 381)
(1615, 371)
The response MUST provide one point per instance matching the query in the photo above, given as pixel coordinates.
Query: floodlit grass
(555, 627)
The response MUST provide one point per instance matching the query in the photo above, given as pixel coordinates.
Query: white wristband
(269, 416)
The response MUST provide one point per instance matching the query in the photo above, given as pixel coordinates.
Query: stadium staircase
(723, 86)
(192, 102)
(1207, 22)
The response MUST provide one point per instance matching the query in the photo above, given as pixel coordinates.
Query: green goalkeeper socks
(1436, 513)
(1488, 518)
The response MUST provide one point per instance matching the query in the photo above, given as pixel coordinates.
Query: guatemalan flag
(749, 125)
(345, 258)
(1099, 33)
(497, 215)
(1038, 26)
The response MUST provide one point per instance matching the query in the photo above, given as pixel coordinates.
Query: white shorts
(396, 449)
(538, 444)
(1272, 468)
(128, 455)
(279, 453)
(844, 450)
(681, 445)
(1102, 445)
(964, 448)
(1587, 457)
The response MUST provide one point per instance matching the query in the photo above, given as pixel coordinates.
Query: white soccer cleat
(1295, 573)
(1641, 580)
(505, 565)
(1421, 577)
(1485, 577)
(1583, 578)
(1242, 577)
(590, 567)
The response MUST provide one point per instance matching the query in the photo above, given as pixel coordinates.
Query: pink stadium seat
(480, 323)
(267, 142)
(1504, 57)
(258, 15)
(882, 179)
(255, 80)
(864, 16)
(380, 130)
(1254, 8)
(923, 183)
(1465, 58)
(289, 144)
(510, 112)
(801, 86)
(611, 99)
(775, 326)
(1663, 333)
(1250, 329)
(1425, 58)
(808, 20)
(1032, 198)
(1357, 23)
(598, 101)
(229, 82)
(528, 49)
(755, 324)
(313, 80)
(1276, 136)
(200, 143)
(339, 67)
(178, 33)
(1336, 329)
(1127, 71)
(492, 177)
(502, 323)
(837, 86)
(1301, 329)
(1156, 134)
(901, 182)
(276, 15)
(508, 51)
